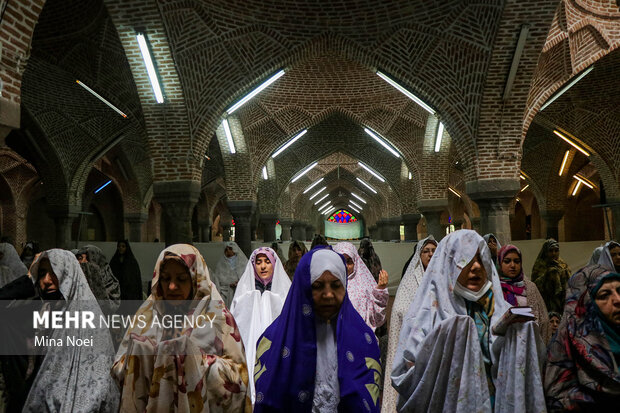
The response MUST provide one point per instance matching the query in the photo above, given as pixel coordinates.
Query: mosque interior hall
(174, 121)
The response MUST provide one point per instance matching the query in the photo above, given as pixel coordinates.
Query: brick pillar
(615, 213)
(432, 210)
(410, 222)
(309, 232)
(494, 197)
(552, 218)
(286, 229)
(63, 219)
(135, 222)
(242, 213)
(177, 199)
(204, 231)
(298, 231)
(268, 222)
(374, 233)
(391, 229)
(226, 232)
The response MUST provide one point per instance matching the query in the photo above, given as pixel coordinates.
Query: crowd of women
(306, 334)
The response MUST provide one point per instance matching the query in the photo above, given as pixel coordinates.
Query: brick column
(63, 219)
(552, 218)
(177, 199)
(391, 229)
(410, 222)
(298, 231)
(242, 213)
(286, 229)
(268, 222)
(432, 210)
(135, 222)
(309, 232)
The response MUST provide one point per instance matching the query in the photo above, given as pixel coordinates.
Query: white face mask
(470, 295)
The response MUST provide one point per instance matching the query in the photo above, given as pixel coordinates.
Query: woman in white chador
(258, 301)
(228, 271)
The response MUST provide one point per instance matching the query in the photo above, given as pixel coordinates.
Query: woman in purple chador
(318, 355)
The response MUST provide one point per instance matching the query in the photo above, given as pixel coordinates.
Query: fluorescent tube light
(367, 186)
(322, 198)
(409, 176)
(356, 205)
(103, 186)
(324, 205)
(524, 188)
(229, 138)
(454, 192)
(565, 88)
(439, 136)
(255, 92)
(101, 98)
(318, 192)
(564, 162)
(150, 67)
(308, 189)
(289, 143)
(305, 171)
(571, 143)
(329, 211)
(382, 142)
(576, 188)
(358, 197)
(584, 181)
(522, 177)
(265, 177)
(373, 173)
(353, 208)
(406, 92)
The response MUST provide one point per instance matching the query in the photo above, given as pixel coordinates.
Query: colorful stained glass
(342, 216)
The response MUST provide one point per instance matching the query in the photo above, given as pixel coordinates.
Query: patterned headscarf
(605, 258)
(511, 286)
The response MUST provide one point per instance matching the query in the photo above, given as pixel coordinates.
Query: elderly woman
(367, 296)
(521, 292)
(318, 355)
(258, 301)
(582, 367)
(551, 273)
(449, 358)
(228, 271)
(195, 366)
(404, 296)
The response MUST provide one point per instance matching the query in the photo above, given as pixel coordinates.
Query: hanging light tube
(358, 197)
(101, 98)
(322, 198)
(103, 186)
(524, 188)
(329, 211)
(406, 92)
(289, 143)
(256, 91)
(318, 192)
(229, 137)
(356, 205)
(354, 209)
(382, 142)
(373, 173)
(367, 186)
(522, 177)
(565, 88)
(584, 181)
(324, 205)
(409, 176)
(454, 192)
(576, 188)
(308, 189)
(564, 162)
(439, 136)
(150, 67)
(571, 143)
(265, 177)
(305, 171)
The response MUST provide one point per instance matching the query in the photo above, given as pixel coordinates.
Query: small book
(519, 314)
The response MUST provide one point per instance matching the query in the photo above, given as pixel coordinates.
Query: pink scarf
(269, 253)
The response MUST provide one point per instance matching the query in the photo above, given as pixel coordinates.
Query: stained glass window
(342, 216)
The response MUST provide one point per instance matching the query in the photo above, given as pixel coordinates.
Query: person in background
(493, 245)
(367, 252)
(92, 253)
(276, 247)
(583, 357)
(31, 249)
(228, 271)
(11, 267)
(126, 269)
(551, 273)
(296, 250)
(610, 256)
(318, 240)
(554, 322)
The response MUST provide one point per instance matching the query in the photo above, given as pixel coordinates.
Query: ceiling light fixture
(584, 181)
(256, 91)
(565, 88)
(103, 186)
(406, 92)
(101, 98)
(322, 198)
(150, 67)
(577, 185)
(383, 143)
(439, 136)
(329, 211)
(571, 143)
(354, 209)
(564, 162)
(454, 192)
(367, 186)
(265, 177)
(522, 176)
(358, 197)
(410, 176)
(308, 189)
(318, 192)
(305, 171)
(324, 205)
(289, 143)
(229, 137)
(356, 205)
(524, 188)
(373, 173)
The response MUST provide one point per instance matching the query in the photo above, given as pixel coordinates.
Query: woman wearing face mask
(404, 296)
(448, 357)
(318, 355)
(521, 292)
(551, 273)
(258, 300)
(582, 372)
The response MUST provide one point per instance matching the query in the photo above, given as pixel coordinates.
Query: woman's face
(121, 248)
(297, 252)
(608, 301)
(553, 254)
(263, 266)
(48, 282)
(175, 282)
(615, 255)
(511, 264)
(474, 275)
(327, 294)
(554, 322)
(427, 253)
(228, 252)
(492, 244)
(350, 264)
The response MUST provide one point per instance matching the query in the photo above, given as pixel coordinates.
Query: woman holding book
(521, 292)
(582, 367)
(449, 358)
